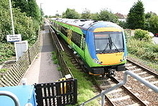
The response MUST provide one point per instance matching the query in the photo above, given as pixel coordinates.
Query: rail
(102, 94)
(11, 95)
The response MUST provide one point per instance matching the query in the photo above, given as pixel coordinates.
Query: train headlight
(97, 61)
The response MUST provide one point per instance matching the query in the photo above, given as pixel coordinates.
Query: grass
(54, 57)
(146, 62)
(86, 89)
(3, 70)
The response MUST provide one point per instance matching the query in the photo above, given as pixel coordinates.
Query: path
(42, 69)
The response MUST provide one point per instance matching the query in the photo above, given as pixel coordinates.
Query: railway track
(129, 95)
(145, 94)
(121, 96)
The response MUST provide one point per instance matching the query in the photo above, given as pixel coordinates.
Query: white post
(11, 15)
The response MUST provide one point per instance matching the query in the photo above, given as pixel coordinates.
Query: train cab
(107, 47)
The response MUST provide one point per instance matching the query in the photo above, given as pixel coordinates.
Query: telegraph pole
(11, 15)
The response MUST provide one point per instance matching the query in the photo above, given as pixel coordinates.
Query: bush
(6, 51)
(144, 50)
(142, 35)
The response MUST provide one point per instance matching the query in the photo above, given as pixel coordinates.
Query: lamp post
(11, 15)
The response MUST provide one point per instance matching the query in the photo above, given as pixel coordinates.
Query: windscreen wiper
(112, 43)
(108, 44)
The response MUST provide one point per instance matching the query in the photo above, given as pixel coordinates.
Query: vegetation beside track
(27, 17)
(6, 51)
(146, 52)
(86, 88)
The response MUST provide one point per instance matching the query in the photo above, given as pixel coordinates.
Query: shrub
(145, 50)
(142, 35)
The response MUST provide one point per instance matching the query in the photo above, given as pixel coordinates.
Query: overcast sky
(51, 7)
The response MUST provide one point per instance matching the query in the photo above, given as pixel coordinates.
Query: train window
(76, 38)
(64, 31)
(108, 42)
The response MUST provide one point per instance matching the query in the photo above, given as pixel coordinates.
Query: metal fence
(138, 78)
(56, 94)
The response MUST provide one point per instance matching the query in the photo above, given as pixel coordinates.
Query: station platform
(43, 70)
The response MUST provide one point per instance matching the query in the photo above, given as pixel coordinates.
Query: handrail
(102, 94)
(11, 95)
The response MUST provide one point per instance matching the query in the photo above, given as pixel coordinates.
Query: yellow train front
(101, 45)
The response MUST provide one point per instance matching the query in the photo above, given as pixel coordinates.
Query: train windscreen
(109, 42)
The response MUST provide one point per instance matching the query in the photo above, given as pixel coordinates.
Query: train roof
(87, 23)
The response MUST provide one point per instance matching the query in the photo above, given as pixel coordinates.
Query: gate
(57, 93)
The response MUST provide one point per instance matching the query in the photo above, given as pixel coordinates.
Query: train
(101, 45)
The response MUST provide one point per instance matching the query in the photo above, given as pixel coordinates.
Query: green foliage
(3, 70)
(95, 16)
(153, 24)
(6, 51)
(30, 7)
(136, 16)
(71, 14)
(144, 50)
(105, 15)
(54, 58)
(86, 14)
(33, 10)
(24, 25)
(123, 24)
(21, 4)
(86, 89)
(142, 35)
(4, 19)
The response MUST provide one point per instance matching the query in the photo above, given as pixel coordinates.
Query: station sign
(14, 38)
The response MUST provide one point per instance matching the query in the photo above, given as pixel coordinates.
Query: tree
(71, 14)
(153, 24)
(105, 15)
(95, 16)
(34, 10)
(21, 4)
(136, 16)
(5, 23)
(23, 25)
(86, 14)
(149, 20)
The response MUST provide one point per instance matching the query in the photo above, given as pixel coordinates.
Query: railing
(102, 94)
(11, 95)
(13, 76)
(60, 54)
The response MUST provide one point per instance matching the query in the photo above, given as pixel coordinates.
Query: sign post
(20, 46)
(14, 38)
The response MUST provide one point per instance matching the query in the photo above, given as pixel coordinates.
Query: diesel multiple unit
(101, 45)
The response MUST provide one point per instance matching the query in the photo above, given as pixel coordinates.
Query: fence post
(29, 57)
(58, 92)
